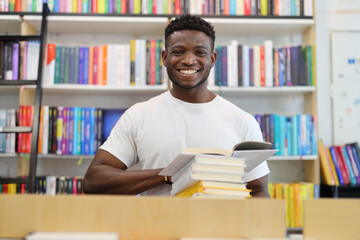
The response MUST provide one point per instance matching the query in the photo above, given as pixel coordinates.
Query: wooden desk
(332, 219)
(142, 217)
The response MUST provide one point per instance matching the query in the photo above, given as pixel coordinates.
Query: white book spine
(234, 67)
(69, 6)
(137, 62)
(144, 6)
(257, 66)
(159, 7)
(287, 8)
(308, 8)
(297, 4)
(127, 64)
(240, 7)
(143, 62)
(268, 63)
(246, 66)
(39, 6)
(118, 77)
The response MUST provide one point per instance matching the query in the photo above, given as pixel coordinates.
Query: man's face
(188, 58)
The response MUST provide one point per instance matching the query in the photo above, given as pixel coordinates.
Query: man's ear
(213, 58)
(164, 56)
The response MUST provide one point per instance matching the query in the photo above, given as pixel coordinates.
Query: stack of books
(211, 176)
(216, 172)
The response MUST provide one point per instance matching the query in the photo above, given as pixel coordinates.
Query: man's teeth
(188, 71)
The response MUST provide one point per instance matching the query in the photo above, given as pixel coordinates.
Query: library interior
(259, 100)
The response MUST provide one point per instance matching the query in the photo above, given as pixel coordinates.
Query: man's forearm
(110, 180)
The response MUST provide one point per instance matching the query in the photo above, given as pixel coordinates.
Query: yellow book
(332, 166)
(74, 6)
(101, 6)
(288, 205)
(279, 191)
(200, 188)
(291, 205)
(297, 204)
(325, 165)
(263, 8)
(304, 196)
(271, 190)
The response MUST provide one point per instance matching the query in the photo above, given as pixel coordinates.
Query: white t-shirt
(156, 131)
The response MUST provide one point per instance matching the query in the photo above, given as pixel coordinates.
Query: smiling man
(154, 132)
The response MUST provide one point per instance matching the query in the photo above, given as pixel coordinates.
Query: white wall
(331, 15)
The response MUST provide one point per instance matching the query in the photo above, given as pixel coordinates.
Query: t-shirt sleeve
(254, 133)
(120, 142)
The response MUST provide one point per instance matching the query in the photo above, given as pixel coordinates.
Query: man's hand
(259, 187)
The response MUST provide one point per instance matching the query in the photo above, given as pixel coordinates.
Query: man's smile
(188, 71)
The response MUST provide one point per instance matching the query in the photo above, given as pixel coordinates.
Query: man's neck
(196, 95)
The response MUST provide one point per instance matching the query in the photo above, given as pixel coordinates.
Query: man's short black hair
(188, 22)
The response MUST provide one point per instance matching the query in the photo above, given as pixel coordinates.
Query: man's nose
(189, 58)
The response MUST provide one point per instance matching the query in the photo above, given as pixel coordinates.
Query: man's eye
(201, 53)
(177, 53)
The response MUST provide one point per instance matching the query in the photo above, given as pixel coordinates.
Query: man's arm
(259, 187)
(106, 174)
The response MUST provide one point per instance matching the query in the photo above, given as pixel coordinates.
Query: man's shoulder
(227, 105)
(154, 101)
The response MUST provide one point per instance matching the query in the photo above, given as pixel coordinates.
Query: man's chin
(188, 86)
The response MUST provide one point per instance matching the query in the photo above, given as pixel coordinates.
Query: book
(325, 168)
(208, 164)
(253, 152)
(200, 188)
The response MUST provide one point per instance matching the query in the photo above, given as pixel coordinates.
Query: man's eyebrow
(182, 46)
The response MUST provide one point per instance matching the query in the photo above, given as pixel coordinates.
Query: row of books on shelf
(340, 165)
(97, 6)
(153, 7)
(291, 135)
(62, 130)
(263, 66)
(19, 60)
(252, 7)
(50, 185)
(137, 63)
(294, 195)
(81, 130)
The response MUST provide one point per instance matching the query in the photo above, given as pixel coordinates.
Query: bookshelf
(92, 29)
(9, 35)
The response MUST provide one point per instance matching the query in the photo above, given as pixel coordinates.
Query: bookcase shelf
(147, 24)
(17, 82)
(75, 157)
(77, 88)
(260, 26)
(264, 90)
(293, 158)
